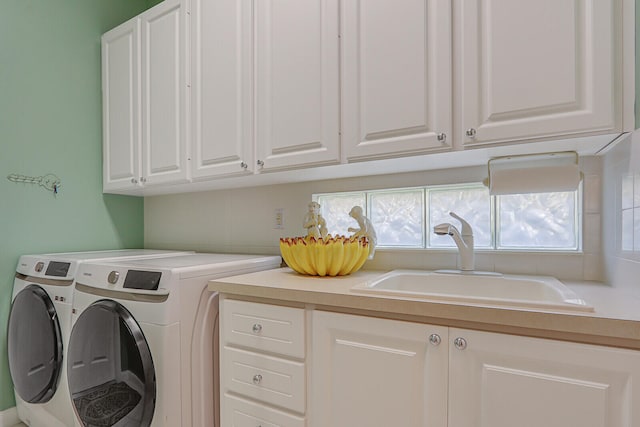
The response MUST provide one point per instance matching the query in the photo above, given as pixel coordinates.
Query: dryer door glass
(109, 368)
(35, 345)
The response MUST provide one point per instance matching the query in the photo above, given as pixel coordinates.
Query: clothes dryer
(143, 348)
(39, 327)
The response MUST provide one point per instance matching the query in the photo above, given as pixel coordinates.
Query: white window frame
(494, 218)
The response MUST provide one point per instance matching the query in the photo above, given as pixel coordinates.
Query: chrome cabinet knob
(260, 163)
(471, 133)
(257, 328)
(257, 379)
(460, 343)
(143, 179)
(243, 165)
(442, 137)
(134, 181)
(435, 339)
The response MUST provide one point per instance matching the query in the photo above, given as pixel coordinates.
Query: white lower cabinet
(375, 372)
(273, 380)
(500, 380)
(365, 371)
(378, 373)
(262, 365)
(244, 413)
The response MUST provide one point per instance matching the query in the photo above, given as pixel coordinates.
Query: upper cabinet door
(221, 115)
(121, 107)
(164, 92)
(396, 77)
(530, 69)
(297, 83)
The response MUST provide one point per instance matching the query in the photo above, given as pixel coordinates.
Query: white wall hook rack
(49, 181)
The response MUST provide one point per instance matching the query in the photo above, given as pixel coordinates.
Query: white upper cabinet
(221, 88)
(164, 90)
(120, 107)
(396, 77)
(144, 99)
(235, 88)
(530, 69)
(296, 83)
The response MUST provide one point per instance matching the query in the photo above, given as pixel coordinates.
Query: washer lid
(34, 345)
(198, 264)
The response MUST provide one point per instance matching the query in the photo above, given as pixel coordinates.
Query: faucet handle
(466, 228)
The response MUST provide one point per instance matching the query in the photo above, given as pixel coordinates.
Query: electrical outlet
(278, 223)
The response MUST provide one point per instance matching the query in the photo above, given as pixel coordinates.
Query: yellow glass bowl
(333, 256)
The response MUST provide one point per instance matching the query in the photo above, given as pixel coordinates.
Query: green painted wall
(50, 122)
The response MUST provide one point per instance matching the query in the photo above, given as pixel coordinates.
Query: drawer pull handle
(257, 328)
(257, 379)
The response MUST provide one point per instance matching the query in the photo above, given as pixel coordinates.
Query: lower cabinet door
(501, 380)
(243, 413)
(377, 373)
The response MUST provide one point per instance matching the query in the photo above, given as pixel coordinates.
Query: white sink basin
(477, 287)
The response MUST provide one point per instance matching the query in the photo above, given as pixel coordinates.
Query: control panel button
(113, 277)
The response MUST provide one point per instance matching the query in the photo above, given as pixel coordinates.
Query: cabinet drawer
(269, 379)
(264, 327)
(242, 413)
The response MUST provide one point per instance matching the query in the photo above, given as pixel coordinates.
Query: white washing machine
(39, 328)
(143, 348)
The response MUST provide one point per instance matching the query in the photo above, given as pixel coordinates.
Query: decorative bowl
(331, 256)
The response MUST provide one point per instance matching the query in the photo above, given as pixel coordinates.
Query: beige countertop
(615, 320)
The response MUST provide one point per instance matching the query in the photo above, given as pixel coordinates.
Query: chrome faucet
(463, 240)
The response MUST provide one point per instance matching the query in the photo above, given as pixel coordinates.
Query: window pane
(397, 217)
(636, 229)
(627, 230)
(542, 220)
(473, 204)
(545, 221)
(335, 208)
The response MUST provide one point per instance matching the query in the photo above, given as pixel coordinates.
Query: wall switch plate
(278, 219)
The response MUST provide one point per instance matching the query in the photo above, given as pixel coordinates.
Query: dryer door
(35, 345)
(109, 368)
